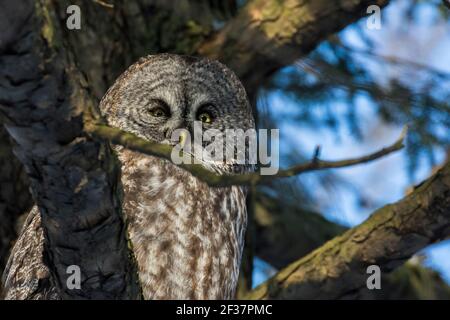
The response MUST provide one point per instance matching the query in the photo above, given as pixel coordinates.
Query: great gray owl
(187, 237)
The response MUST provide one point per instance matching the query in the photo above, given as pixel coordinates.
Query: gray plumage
(187, 237)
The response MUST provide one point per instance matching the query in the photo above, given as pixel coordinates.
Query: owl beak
(183, 138)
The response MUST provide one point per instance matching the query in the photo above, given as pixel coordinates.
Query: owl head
(165, 92)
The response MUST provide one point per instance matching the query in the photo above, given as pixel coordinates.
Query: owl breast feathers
(187, 237)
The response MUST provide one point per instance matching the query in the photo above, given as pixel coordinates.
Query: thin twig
(396, 60)
(104, 4)
(133, 142)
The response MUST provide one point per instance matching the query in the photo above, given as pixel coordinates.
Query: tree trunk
(51, 76)
(74, 179)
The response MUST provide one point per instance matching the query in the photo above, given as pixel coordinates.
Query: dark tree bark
(74, 179)
(14, 197)
(268, 35)
(50, 77)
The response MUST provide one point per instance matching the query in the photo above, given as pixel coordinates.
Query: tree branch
(135, 143)
(388, 238)
(267, 35)
(283, 235)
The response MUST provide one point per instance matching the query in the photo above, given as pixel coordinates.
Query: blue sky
(416, 44)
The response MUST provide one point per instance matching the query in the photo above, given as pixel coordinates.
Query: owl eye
(204, 117)
(158, 109)
(205, 113)
(158, 112)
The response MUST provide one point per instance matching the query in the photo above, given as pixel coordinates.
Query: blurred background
(351, 96)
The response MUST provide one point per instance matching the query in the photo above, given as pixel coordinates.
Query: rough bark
(267, 35)
(388, 238)
(283, 234)
(15, 198)
(74, 179)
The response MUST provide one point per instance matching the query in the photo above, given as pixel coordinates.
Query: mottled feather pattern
(187, 244)
(187, 237)
(26, 276)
